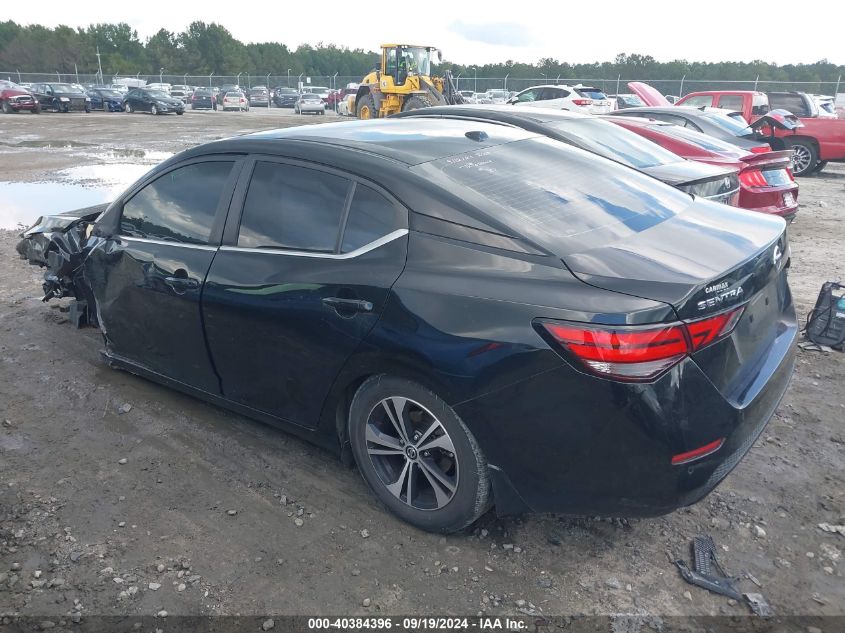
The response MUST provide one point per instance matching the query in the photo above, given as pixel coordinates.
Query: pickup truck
(820, 140)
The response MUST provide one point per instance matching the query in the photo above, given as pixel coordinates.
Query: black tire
(7, 109)
(87, 110)
(154, 109)
(180, 113)
(415, 103)
(805, 156)
(819, 166)
(127, 108)
(366, 108)
(452, 453)
(37, 109)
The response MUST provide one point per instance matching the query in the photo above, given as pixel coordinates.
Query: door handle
(183, 283)
(355, 305)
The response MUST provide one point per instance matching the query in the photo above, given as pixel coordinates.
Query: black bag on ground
(826, 322)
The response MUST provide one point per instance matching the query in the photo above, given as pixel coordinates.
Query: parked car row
(479, 305)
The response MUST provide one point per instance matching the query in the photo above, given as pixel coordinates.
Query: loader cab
(400, 61)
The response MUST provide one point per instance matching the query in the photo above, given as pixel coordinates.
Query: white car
(310, 102)
(323, 91)
(584, 99)
(825, 105)
(468, 96)
(235, 100)
(165, 87)
(497, 96)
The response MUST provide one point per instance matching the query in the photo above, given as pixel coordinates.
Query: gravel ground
(119, 496)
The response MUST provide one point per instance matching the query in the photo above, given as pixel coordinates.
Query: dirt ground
(119, 496)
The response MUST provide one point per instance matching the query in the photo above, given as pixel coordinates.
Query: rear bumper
(574, 444)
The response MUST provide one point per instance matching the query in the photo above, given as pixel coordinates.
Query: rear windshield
(591, 93)
(702, 141)
(632, 100)
(732, 125)
(614, 142)
(561, 197)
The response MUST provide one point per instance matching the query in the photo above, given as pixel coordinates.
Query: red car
(814, 144)
(14, 99)
(766, 184)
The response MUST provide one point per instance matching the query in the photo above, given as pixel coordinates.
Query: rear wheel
(417, 455)
(819, 166)
(128, 109)
(367, 107)
(153, 109)
(804, 156)
(415, 103)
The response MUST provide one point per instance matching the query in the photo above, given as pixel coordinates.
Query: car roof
(408, 141)
(502, 113)
(671, 109)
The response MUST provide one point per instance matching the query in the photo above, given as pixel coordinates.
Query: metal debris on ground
(833, 529)
(704, 557)
(758, 604)
(710, 575)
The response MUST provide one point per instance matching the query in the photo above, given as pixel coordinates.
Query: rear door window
(700, 101)
(292, 207)
(179, 206)
(371, 216)
(731, 102)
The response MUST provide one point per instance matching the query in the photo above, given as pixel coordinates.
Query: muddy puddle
(21, 203)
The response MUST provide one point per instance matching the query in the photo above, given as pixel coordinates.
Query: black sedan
(720, 184)
(433, 301)
(106, 99)
(152, 101)
(285, 97)
(204, 99)
(729, 129)
(61, 97)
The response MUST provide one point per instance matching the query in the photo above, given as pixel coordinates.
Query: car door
(147, 278)
(301, 278)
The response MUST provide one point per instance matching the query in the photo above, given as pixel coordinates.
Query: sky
(491, 31)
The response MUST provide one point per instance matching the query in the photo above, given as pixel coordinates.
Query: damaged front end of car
(60, 243)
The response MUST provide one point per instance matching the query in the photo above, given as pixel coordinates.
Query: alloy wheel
(412, 453)
(801, 158)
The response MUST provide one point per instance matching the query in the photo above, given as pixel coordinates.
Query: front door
(148, 279)
(299, 281)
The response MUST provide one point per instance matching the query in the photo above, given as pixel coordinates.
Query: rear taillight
(753, 178)
(760, 149)
(582, 102)
(638, 353)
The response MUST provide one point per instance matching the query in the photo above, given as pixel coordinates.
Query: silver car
(309, 102)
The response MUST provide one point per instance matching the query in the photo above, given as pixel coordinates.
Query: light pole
(557, 80)
(544, 75)
(299, 82)
(160, 73)
(209, 80)
(475, 86)
(506, 81)
(238, 80)
(268, 92)
(185, 79)
(288, 77)
(458, 81)
(19, 77)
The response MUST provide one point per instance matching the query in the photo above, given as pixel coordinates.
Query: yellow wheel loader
(404, 82)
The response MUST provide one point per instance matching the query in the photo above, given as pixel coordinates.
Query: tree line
(205, 48)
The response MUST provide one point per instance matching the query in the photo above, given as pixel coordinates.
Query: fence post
(681, 91)
(756, 79)
(618, 79)
(836, 90)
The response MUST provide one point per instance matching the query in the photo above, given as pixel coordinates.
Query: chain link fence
(677, 87)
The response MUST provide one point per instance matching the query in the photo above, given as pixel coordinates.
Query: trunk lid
(649, 95)
(701, 261)
(705, 261)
